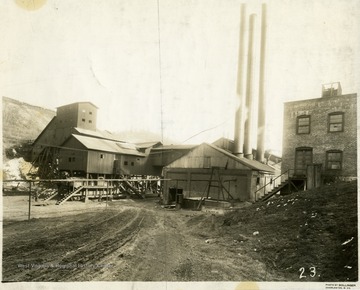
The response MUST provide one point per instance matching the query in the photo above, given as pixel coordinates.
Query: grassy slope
(22, 122)
(305, 229)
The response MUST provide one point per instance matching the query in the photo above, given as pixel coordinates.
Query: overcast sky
(107, 52)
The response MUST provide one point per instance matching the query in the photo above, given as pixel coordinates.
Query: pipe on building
(262, 98)
(250, 89)
(240, 96)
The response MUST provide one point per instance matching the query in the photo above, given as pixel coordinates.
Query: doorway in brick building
(303, 158)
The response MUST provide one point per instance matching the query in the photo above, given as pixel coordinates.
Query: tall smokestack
(250, 89)
(262, 98)
(240, 97)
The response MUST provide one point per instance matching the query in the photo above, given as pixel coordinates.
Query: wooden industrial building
(90, 157)
(72, 143)
(229, 177)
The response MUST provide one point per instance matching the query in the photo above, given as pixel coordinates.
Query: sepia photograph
(180, 144)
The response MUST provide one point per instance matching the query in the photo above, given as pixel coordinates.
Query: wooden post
(107, 192)
(29, 200)
(264, 184)
(212, 222)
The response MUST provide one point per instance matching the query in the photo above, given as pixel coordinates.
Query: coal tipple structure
(73, 147)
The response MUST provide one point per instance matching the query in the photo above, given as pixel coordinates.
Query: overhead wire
(160, 75)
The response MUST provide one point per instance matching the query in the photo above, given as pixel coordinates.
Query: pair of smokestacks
(245, 101)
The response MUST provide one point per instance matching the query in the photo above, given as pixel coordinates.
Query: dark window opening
(132, 164)
(83, 120)
(90, 121)
(102, 156)
(207, 162)
(303, 125)
(90, 113)
(336, 122)
(334, 160)
(125, 163)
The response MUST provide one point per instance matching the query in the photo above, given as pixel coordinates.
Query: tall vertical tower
(82, 115)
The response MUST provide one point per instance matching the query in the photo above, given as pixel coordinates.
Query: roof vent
(331, 90)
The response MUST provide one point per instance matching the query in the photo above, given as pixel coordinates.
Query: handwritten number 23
(312, 272)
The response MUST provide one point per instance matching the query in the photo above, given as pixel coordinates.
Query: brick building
(321, 132)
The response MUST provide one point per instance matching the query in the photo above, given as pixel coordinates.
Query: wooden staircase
(289, 184)
(52, 194)
(48, 193)
(69, 195)
(132, 189)
(274, 191)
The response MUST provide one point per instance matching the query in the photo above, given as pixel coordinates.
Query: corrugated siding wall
(131, 165)
(100, 162)
(194, 183)
(72, 160)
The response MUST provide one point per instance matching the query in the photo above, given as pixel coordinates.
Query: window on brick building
(303, 125)
(336, 122)
(334, 160)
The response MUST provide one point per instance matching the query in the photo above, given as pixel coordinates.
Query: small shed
(207, 165)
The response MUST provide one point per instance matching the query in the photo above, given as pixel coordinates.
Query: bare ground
(121, 241)
(308, 236)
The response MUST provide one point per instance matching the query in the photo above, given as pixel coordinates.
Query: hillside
(22, 122)
(307, 236)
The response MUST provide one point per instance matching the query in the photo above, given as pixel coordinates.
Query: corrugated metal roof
(108, 145)
(99, 134)
(174, 147)
(111, 136)
(148, 144)
(254, 164)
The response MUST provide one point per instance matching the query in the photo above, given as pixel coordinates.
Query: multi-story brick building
(321, 131)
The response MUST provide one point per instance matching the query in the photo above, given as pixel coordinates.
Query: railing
(272, 182)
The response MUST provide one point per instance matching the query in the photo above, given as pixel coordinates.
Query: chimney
(249, 89)
(262, 98)
(240, 97)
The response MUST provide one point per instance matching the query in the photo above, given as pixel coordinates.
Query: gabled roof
(98, 134)
(249, 163)
(253, 164)
(273, 155)
(107, 145)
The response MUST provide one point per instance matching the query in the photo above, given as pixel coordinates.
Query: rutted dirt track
(125, 242)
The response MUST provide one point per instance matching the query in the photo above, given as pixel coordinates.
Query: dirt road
(126, 241)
